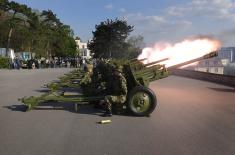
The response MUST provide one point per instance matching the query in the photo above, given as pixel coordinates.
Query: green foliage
(136, 43)
(109, 39)
(4, 62)
(33, 31)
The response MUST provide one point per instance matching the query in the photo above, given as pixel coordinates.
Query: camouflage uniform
(86, 81)
(118, 88)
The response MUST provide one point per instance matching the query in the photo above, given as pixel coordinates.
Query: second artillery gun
(141, 100)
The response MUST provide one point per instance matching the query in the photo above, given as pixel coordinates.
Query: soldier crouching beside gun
(118, 91)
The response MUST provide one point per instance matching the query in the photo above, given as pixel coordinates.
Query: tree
(59, 40)
(13, 8)
(24, 29)
(109, 38)
(136, 44)
(136, 41)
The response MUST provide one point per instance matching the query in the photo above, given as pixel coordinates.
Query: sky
(156, 20)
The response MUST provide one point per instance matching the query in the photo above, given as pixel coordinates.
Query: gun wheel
(141, 101)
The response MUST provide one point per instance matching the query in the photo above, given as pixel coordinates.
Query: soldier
(118, 91)
(86, 81)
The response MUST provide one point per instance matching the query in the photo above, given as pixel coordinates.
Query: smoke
(202, 36)
(227, 37)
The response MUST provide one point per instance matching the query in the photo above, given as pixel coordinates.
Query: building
(224, 63)
(84, 51)
(10, 53)
(211, 66)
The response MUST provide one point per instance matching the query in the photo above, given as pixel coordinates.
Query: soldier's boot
(108, 112)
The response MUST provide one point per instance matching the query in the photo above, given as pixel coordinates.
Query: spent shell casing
(105, 121)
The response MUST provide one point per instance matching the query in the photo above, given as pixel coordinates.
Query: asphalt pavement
(192, 118)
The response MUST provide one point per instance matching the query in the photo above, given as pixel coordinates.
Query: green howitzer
(141, 100)
(71, 80)
(68, 80)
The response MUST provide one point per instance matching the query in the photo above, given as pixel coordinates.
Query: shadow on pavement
(230, 90)
(20, 108)
(90, 109)
(43, 90)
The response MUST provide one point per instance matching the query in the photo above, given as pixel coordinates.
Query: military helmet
(117, 68)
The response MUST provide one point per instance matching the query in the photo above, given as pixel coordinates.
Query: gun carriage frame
(141, 100)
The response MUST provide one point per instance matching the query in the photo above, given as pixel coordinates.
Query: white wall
(215, 70)
(84, 51)
(10, 54)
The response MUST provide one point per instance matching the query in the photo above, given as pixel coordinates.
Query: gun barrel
(155, 62)
(207, 56)
(136, 59)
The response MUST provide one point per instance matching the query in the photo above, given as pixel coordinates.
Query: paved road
(193, 118)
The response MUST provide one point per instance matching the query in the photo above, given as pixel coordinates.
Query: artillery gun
(141, 100)
(68, 80)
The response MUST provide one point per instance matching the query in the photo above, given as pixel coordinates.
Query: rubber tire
(151, 95)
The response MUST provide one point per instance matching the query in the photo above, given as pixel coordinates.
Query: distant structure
(84, 51)
(25, 55)
(10, 53)
(224, 63)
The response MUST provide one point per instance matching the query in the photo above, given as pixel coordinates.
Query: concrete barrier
(216, 78)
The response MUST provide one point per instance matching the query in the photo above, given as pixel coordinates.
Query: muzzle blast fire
(174, 54)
